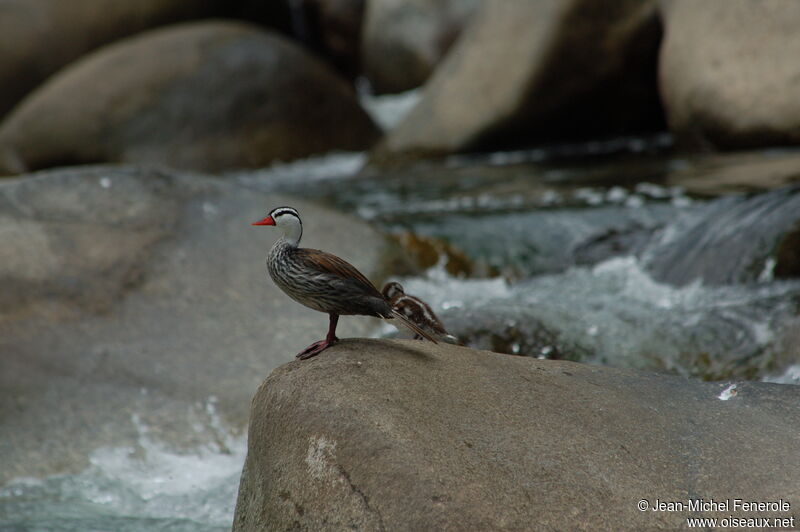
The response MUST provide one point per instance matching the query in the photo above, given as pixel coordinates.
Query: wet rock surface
(223, 95)
(389, 435)
(713, 175)
(736, 239)
(136, 292)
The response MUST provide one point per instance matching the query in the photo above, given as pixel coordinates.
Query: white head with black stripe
(287, 219)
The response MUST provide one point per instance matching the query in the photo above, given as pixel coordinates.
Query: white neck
(292, 232)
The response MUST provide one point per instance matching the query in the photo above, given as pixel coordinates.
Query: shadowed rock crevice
(787, 255)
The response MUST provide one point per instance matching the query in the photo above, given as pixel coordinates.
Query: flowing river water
(584, 252)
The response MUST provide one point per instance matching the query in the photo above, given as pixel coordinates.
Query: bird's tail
(450, 339)
(413, 327)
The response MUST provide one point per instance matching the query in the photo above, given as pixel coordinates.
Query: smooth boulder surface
(29, 29)
(210, 96)
(130, 293)
(729, 74)
(403, 40)
(531, 71)
(405, 435)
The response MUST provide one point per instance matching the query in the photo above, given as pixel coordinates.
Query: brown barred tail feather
(412, 326)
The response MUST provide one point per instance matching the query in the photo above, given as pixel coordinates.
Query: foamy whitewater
(142, 487)
(618, 315)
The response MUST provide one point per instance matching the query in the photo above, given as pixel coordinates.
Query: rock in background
(403, 40)
(405, 435)
(37, 37)
(524, 71)
(729, 74)
(205, 96)
(132, 292)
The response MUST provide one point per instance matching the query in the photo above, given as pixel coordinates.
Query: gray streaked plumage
(322, 281)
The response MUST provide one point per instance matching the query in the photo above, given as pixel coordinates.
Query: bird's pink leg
(318, 347)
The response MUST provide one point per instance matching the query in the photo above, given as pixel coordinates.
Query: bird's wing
(339, 269)
(436, 323)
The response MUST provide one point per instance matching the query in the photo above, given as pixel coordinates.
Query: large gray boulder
(525, 71)
(405, 435)
(38, 37)
(404, 40)
(209, 96)
(132, 292)
(729, 75)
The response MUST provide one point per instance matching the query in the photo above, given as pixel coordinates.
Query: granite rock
(407, 435)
